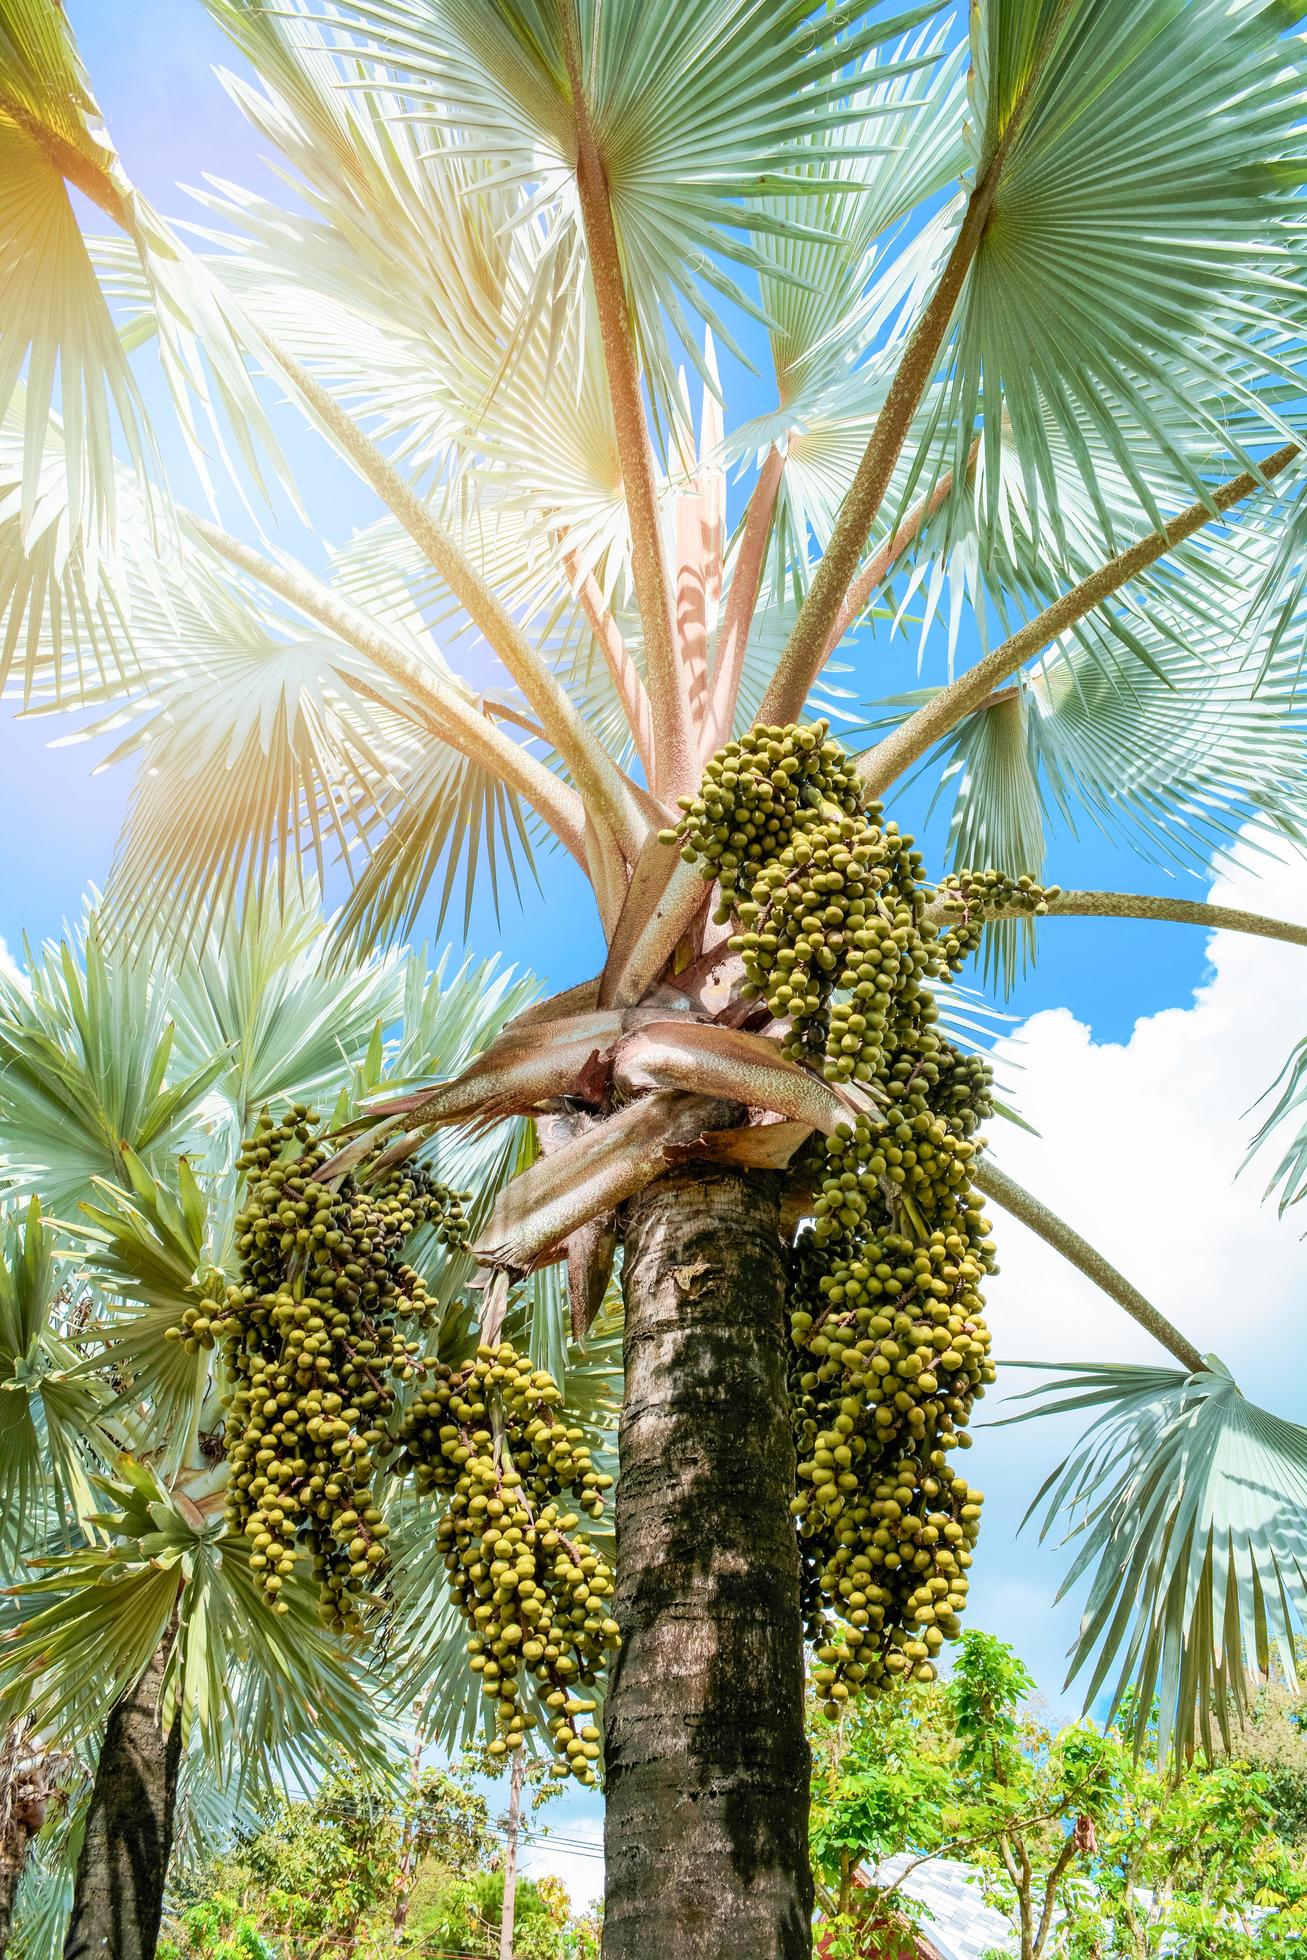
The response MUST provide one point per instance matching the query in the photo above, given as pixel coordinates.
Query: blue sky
(1136, 1048)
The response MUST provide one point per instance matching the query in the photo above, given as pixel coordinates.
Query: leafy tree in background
(1090, 1850)
(1032, 287)
(324, 1874)
(963, 1771)
(1272, 1738)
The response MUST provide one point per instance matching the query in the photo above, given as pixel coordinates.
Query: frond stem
(1143, 905)
(741, 601)
(502, 712)
(452, 717)
(674, 747)
(76, 168)
(805, 650)
(791, 686)
(596, 775)
(878, 767)
(622, 669)
(1045, 1224)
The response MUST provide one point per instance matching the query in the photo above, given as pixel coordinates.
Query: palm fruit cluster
(313, 1344)
(889, 1347)
(889, 1352)
(965, 900)
(532, 1588)
(777, 822)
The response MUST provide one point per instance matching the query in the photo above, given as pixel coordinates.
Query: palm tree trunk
(706, 1758)
(508, 1915)
(408, 1844)
(118, 1891)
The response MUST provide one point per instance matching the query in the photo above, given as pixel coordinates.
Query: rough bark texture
(706, 1758)
(118, 1894)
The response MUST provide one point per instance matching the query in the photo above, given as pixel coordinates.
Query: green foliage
(125, 1082)
(1060, 294)
(1088, 1849)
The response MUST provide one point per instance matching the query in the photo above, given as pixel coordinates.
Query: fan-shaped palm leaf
(253, 1682)
(1142, 233)
(290, 1021)
(1187, 1504)
(49, 1407)
(691, 112)
(58, 321)
(1162, 732)
(150, 1254)
(85, 1066)
(1290, 1174)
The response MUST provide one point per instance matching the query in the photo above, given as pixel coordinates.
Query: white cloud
(1139, 1148)
(9, 966)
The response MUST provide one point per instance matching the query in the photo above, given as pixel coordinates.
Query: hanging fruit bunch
(315, 1338)
(531, 1586)
(889, 1348)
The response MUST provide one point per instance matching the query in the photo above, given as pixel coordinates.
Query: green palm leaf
(1161, 732)
(1290, 1174)
(1143, 234)
(49, 1407)
(907, 148)
(438, 817)
(417, 291)
(85, 1055)
(257, 1685)
(289, 1019)
(693, 111)
(150, 1254)
(275, 745)
(1186, 1504)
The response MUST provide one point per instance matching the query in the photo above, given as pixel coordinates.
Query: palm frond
(287, 751)
(1142, 239)
(907, 149)
(1166, 733)
(85, 1054)
(1186, 1503)
(60, 327)
(65, 586)
(267, 994)
(1290, 1092)
(695, 114)
(49, 1408)
(255, 1684)
(150, 1253)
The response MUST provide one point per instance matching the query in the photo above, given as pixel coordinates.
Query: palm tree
(126, 1084)
(1033, 297)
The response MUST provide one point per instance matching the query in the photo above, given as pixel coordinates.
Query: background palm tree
(1034, 301)
(126, 1083)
